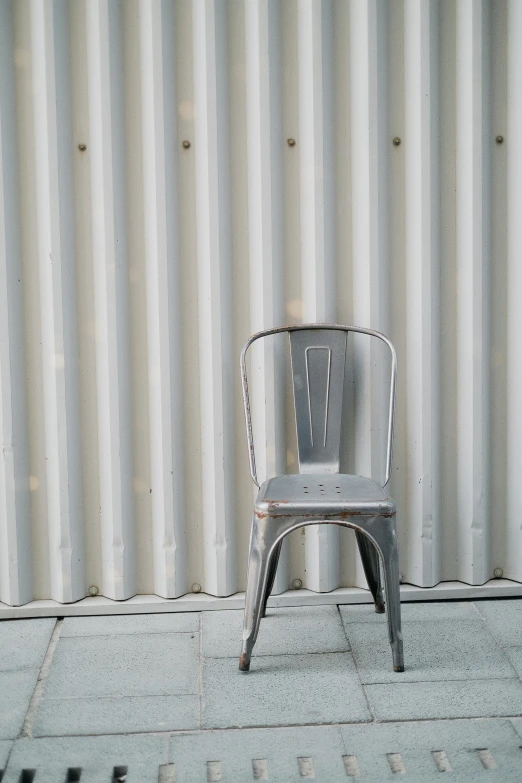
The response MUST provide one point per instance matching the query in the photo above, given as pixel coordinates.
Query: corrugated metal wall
(154, 212)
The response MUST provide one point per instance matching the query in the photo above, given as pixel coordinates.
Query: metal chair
(319, 494)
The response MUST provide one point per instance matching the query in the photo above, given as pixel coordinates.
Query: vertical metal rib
(15, 543)
(57, 281)
(107, 148)
(422, 295)
(368, 225)
(472, 303)
(263, 108)
(316, 211)
(163, 299)
(213, 254)
(369, 231)
(514, 289)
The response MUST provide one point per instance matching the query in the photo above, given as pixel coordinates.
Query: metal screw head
(196, 588)
(499, 139)
(82, 147)
(185, 144)
(93, 590)
(498, 573)
(290, 142)
(297, 584)
(396, 141)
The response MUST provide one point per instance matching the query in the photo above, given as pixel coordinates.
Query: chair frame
(376, 533)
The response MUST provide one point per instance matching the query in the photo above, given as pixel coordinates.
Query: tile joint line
(27, 729)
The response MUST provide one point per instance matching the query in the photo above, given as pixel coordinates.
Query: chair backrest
(318, 353)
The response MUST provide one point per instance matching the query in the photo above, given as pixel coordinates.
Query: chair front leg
(261, 540)
(390, 550)
(393, 604)
(370, 561)
(383, 531)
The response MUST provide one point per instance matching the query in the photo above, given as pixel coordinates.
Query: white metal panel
(153, 215)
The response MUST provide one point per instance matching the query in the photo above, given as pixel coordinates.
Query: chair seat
(324, 495)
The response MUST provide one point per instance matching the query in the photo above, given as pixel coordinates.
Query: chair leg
(261, 540)
(272, 568)
(370, 561)
(388, 542)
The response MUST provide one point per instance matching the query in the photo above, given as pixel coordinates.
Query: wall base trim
(150, 604)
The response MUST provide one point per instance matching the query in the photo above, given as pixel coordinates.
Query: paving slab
(428, 612)
(504, 619)
(16, 690)
(440, 650)
(177, 622)
(96, 757)
(428, 748)
(136, 714)
(24, 643)
(125, 665)
(104, 669)
(286, 631)
(424, 700)
(280, 755)
(282, 690)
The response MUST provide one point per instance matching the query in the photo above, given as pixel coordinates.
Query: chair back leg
(372, 571)
(386, 538)
(272, 568)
